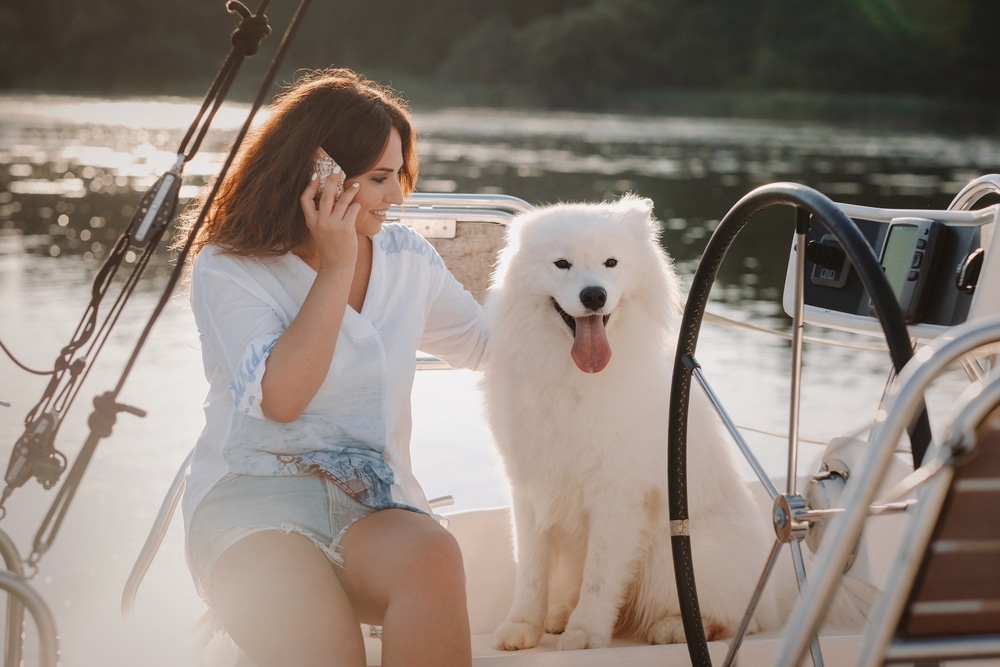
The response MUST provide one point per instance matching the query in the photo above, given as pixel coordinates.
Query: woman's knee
(438, 545)
(437, 562)
(396, 551)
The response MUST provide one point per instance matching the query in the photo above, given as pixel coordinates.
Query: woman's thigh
(279, 598)
(264, 550)
(241, 505)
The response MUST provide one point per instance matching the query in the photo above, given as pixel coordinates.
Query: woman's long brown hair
(256, 210)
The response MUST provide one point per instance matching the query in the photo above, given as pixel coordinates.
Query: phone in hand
(325, 165)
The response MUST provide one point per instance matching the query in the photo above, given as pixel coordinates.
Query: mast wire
(34, 454)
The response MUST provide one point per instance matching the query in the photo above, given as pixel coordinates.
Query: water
(72, 170)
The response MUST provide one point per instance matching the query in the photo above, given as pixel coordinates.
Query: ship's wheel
(790, 508)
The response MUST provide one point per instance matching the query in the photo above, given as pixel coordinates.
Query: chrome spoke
(798, 322)
(758, 469)
(800, 579)
(752, 605)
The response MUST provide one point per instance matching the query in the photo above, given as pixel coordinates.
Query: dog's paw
(512, 636)
(667, 630)
(670, 630)
(558, 616)
(718, 630)
(577, 637)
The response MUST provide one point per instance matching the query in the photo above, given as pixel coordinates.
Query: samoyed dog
(583, 306)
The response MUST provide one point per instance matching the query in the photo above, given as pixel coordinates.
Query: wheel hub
(785, 516)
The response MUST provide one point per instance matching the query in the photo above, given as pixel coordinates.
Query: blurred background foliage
(845, 58)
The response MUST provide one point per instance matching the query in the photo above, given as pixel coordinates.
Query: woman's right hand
(301, 358)
(331, 221)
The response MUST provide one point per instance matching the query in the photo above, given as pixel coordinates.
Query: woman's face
(378, 188)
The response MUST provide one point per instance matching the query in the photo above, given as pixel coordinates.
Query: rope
(17, 362)
(850, 345)
(252, 29)
(66, 373)
(101, 426)
(239, 44)
(245, 40)
(106, 405)
(34, 454)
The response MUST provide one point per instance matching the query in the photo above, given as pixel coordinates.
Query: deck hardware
(967, 274)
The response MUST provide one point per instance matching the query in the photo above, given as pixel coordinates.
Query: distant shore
(888, 112)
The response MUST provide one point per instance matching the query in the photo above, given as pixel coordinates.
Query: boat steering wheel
(809, 205)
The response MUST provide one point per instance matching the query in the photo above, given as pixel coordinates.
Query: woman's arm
(301, 357)
(456, 329)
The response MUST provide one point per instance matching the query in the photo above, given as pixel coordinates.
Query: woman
(302, 513)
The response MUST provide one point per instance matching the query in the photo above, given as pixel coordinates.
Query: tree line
(559, 53)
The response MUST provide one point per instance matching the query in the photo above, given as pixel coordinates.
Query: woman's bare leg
(279, 598)
(403, 570)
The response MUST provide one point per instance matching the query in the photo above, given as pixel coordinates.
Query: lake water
(72, 170)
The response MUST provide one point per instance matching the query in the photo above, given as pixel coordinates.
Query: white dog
(584, 305)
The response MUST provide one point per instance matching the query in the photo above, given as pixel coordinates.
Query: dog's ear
(631, 202)
(645, 204)
(637, 214)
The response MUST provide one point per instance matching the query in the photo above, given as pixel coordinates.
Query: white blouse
(357, 427)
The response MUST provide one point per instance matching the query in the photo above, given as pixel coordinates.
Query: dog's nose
(593, 297)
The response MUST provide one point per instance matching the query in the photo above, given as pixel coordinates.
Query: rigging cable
(106, 406)
(34, 454)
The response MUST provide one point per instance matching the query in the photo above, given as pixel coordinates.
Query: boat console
(934, 261)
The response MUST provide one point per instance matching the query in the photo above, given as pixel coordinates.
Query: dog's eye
(611, 262)
(562, 264)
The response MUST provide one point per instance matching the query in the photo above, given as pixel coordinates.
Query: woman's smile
(379, 187)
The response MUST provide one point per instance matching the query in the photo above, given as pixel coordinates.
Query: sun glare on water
(168, 113)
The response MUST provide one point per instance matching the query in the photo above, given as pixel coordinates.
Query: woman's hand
(331, 220)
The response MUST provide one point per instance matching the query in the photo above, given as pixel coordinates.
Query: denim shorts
(241, 505)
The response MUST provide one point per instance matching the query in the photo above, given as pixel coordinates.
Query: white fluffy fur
(585, 453)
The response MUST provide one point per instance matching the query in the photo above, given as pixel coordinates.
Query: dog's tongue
(591, 351)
